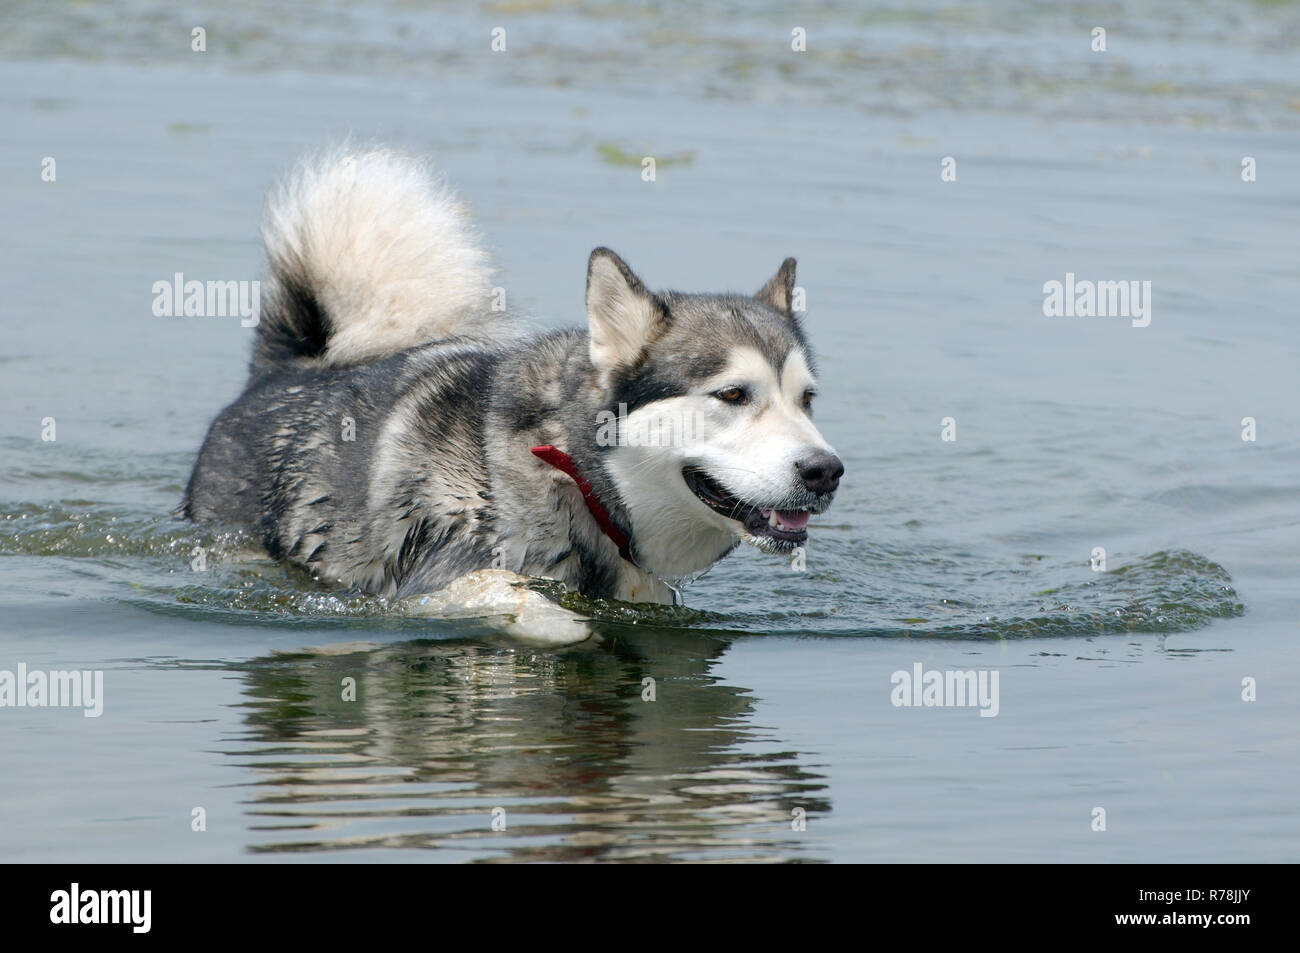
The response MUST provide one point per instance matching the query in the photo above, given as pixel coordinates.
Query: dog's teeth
(773, 519)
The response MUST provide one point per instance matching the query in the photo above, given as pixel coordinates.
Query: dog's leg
(498, 593)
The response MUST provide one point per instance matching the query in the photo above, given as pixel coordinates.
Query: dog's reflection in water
(625, 747)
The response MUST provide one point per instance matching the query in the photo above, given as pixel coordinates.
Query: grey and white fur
(378, 325)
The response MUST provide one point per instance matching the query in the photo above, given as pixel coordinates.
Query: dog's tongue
(792, 519)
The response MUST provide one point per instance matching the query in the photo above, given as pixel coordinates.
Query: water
(1119, 689)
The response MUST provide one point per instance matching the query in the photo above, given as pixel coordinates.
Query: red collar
(564, 463)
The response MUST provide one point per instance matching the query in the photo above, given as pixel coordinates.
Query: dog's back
(373, 346)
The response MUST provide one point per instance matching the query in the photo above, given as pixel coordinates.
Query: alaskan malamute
(398, 431)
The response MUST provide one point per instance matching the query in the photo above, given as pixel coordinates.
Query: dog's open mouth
(780, 526)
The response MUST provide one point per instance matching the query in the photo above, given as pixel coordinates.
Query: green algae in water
(613, 155)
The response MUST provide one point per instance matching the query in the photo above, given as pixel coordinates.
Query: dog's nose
(820, 471)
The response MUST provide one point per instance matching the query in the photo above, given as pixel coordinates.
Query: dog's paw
(526, 614)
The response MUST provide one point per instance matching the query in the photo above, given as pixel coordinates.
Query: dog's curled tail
(369, 253)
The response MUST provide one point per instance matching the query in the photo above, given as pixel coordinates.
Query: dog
(398, 431)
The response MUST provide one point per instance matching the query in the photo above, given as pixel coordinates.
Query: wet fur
(446, 398)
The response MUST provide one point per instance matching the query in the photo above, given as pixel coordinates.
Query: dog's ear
(623, 316)
(778, 293)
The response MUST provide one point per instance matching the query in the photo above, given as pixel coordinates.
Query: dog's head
(713, 440)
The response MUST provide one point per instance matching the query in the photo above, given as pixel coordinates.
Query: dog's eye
(731, 395)
(807, 400)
